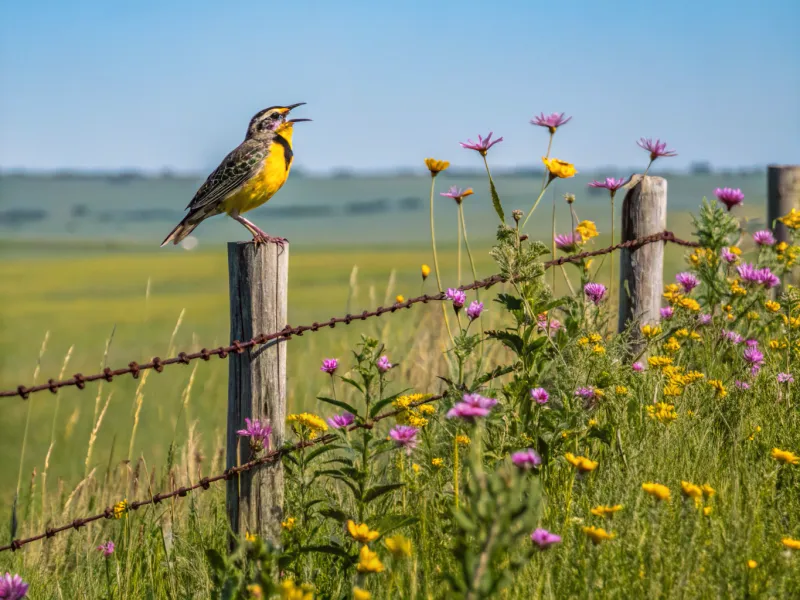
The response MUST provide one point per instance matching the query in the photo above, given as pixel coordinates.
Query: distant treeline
(15, 217)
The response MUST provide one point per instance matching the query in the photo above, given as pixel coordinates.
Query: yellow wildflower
(791, 219)
(606, 511)
(288, 524)
(735, 250)
(689, 304)
(417, 421)
(656, 490)
(785, 456)
(426, 409)
(588, 265)
(672, 345)
(598, 534)
(559, 168)
(583, 341)
(595, 338)
(313, 423)
(598, 349)
(361, 533)
(583, 464)
(691, 490)
(425, 270)
(437, 462)
(436, 166)
(120, 508)
(399, 298)
(753, 315)
(249, 537)
(361, 594)
(695, 336)
(621, 390)
(736, 289)
(587, 230)
(703, 255)
(672, 293)
(659, 361)
(751, 564)
(255, 591)
(772, 306)
(463, 440)
(290, 591)
(671, 390)
(707, 510)
(691, 377)
(398, 545)
(368, 561)
(776, 344)
(708, 491)
(651, 331)
(682, 333)
(790, 543)
(662, 412)
(752, 436)
(719, 388)
(415, 467)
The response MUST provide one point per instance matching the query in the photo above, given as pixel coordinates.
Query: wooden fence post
(783, 194)
(258, 278)
(641, 270)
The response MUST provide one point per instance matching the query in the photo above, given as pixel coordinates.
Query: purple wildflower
(471, 406)
(728, 256)
(552, 121)
(753, 355)
(587, 393)
(638, 367)
(540, 395)
(457, 296)
(568, 242)
(544, 539)
(764, 238)
(767, 278)
(747, 272)
(751, 343)
(785, 378)
(404, 436)
(258, 434)
(666, 312)
(687, 281)
(741, 385)
(656, 148)
(729, 197)
(456, 193)
(474, 310)
(482, 145)
(329, 365)
(611, 184)
(107, 549)
(526, 459)
(384, 364)
(595, 292)
(340, 421)
(704, 319)
(12, 588)
(732, 336)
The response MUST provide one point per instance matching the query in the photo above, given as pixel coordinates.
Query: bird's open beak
(293, 106)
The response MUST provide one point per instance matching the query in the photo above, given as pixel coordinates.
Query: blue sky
(148, 85)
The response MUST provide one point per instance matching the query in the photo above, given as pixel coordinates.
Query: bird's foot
(264, 238)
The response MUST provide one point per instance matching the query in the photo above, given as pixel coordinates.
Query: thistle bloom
(785, 378)
(474, 310)
(587, 393)
(471, 406)
(107, 549)
(459, 297)
(753, 356)
(728, 256)
(384, 364)
(732, 336)
(257, 432)
(687, 281)
(544, 539)
(704, 319)
(526, 459)
(12, 588)
(638, 367)
(540, 395)
(767, 278)
(656, 148)
(329, 365)
(610, 184)
(340, 421)
(748, 272)
(764, 238)
(666, 312)
(552, 121)
(482, 145)
(568, 242)
(457, 194)
(741, 385)
(404, 436)
(595, 292)
(729, 197)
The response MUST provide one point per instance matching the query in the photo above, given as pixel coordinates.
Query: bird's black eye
(276, 115)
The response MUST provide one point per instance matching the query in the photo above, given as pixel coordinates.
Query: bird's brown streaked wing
(240, 165)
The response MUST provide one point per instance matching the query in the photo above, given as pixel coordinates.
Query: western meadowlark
(247, 177)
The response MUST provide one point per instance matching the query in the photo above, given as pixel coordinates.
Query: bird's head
(273, 120)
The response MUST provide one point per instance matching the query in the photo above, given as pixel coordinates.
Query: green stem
(469, 252)
(535, 204)
(650, 164)
(436, 264)
(611, 259)
(458, 226)
(553, 238)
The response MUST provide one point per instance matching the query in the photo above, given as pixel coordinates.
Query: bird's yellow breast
(264, 184)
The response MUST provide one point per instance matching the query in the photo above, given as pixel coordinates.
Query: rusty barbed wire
(79, 380)
(205, 482)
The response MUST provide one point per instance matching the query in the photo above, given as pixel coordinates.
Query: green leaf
(321, 450)
(354, 383)
(335, 514)
(509, 301)
(380, 404)
(348, 407)
(379, 490)
(512, 340)
(498, 208)
(215, 560)
(494, 374)
(392, 522)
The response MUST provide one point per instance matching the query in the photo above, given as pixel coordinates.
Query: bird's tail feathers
(183, 229)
